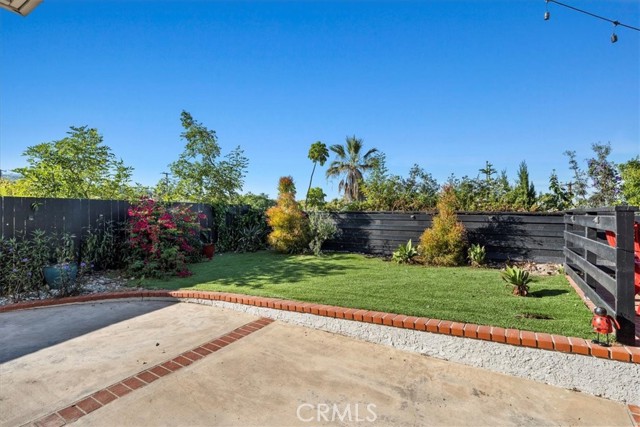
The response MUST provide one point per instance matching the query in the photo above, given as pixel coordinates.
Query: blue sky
(445, 84)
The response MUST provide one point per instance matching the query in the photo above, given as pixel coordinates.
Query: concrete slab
(290, 375)
(56, 355)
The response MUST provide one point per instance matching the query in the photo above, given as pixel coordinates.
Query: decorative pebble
(94, 283)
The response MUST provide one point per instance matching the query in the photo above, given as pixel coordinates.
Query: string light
(614, 36)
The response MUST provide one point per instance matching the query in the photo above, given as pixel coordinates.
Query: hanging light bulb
(614, 37)
(547, 15)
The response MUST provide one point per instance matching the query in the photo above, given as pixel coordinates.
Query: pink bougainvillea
(162, 239)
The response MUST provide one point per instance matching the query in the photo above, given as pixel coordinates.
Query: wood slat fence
(604, 270)
(20, 215)
(505, 235)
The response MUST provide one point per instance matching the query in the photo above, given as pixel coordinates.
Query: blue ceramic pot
(55, 275)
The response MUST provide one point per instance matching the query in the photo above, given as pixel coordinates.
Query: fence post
(625, 313)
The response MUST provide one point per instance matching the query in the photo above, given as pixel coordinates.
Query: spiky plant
(404, 253)
(519, 278)
(477, 255)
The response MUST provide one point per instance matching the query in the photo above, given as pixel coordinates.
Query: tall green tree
(579, 186)
(77, 166)
(199, 173)
(318, 153)
(604, 177)
(630, 174)
(524, 192)
(351, 164)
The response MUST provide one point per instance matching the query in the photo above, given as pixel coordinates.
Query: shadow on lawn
(548, 293)
(255, 270)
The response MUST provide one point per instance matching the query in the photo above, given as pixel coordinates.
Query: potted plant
(208, 247)
(64, 269)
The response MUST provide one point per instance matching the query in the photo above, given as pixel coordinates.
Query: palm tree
(351, 164)
(318, 153)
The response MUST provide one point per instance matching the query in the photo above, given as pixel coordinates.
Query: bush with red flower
(163, 239)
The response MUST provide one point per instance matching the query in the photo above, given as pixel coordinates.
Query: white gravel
(94, 283)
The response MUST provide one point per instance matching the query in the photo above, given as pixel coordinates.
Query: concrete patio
(274, 374)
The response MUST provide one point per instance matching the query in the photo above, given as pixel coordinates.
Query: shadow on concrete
(27, 331)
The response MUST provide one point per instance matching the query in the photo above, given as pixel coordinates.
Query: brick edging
(634, 413)
(515, 337)
(102, 397)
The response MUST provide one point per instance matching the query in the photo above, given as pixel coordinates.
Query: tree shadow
(254, 270)
(26, 331)
(503, 237)
(548, 293)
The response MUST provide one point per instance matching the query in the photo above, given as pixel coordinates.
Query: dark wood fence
(505, 235)
(22, 215)
(602, 269)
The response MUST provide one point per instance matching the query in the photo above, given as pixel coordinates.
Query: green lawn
(461, 294)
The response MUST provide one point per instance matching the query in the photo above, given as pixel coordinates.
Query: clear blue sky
(445, 84)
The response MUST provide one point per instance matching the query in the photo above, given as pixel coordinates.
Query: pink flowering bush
(162, 240)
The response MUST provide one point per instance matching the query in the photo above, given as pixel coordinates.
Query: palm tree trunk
(306, 199)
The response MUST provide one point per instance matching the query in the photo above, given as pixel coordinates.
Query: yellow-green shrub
(444, 243)
(289, 223)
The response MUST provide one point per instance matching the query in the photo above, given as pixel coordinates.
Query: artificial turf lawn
(461, 294)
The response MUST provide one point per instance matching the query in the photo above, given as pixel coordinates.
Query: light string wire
(614, 22)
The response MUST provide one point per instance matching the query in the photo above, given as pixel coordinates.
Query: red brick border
(634, 413)
(97, 400)
(486, 333)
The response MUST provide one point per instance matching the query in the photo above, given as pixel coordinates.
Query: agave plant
(519, 278)
(477, 255)
(404, 253)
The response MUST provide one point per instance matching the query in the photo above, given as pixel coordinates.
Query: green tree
(384, 192)
(318, 153)
(200, 175)
(260, 202)
(630, 174)
(351, 164)
(578, 187)
(524, 192)
(604, 177)
(77, 166)
(558, 198)
(315, 198)
(12, 188)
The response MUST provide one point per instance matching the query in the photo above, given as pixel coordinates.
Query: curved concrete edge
(599, 376)
(512, 337)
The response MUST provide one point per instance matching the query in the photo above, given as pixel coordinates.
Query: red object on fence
(611, 239)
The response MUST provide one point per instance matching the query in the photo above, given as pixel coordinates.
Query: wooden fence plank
(602, 250)
(589, 291)
(599, 222)
(603, 278)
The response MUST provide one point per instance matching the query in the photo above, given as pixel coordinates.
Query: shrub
(444, 243)
(101, 246)
(290, 225)
(405, 253)
(22, 260)
(518, 278)
(322, 228)
(162, 240)
(477, 255)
